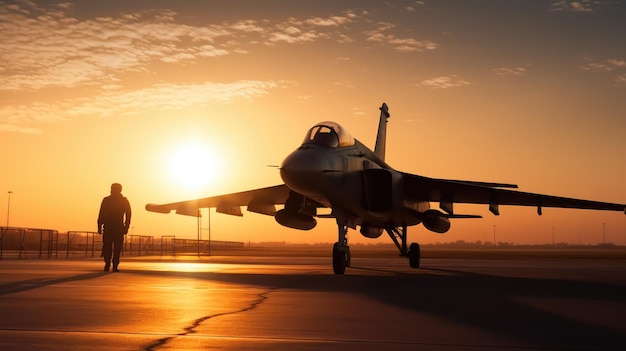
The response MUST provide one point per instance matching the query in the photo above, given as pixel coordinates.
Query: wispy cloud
(46, 47)
(411, 8)
(444, 82)
(344, 84)
(574, 6)
(164, 97)
(43, 47)
(119, 58)
(613, 66)
(295, 30)
(292, 35)
(381, 36)
(170, 97)
(605, 66)
(332, 21)
(357, 111)
(28, 118)
(620, 80)
(510, 71)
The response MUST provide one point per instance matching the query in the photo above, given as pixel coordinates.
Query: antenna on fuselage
(381, 138)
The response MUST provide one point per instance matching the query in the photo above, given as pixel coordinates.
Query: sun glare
(194, 165)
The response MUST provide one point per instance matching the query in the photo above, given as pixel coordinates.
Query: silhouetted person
(115, 218)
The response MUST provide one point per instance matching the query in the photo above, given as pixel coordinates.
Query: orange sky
(531, 93)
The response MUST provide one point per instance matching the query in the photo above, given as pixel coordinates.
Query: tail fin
(381, 138)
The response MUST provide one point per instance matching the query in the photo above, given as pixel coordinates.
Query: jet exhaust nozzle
(295, 220)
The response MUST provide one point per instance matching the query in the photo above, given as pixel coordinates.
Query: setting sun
(193, 165)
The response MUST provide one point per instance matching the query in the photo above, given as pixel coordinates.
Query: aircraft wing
(447, 192)
(258, 200)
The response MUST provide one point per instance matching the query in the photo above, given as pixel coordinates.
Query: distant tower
(9, 207)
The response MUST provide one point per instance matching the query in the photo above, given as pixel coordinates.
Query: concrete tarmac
(287, 303)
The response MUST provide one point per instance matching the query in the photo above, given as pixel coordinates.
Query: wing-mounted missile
(439, 222)
(298, 212)
(295, 220)
(436, 221)
(371, 232)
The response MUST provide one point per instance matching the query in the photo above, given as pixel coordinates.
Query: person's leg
(107, 243)
(117, 249)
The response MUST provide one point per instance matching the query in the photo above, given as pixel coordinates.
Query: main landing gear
(341, 250)
(414, 255)
(399, 237)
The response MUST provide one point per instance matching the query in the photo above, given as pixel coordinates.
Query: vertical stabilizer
(381, 138)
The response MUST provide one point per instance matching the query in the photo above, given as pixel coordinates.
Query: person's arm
(128, 216)
(101, 217)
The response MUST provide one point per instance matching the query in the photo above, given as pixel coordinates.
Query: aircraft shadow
(487, 302)
(30, 284)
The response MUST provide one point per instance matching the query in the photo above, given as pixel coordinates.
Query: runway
(286, 303)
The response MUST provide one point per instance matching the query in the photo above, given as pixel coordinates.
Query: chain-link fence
(25, 243)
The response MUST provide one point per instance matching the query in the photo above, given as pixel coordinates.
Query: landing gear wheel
(340, 259)
(348, 258)
(414, 255)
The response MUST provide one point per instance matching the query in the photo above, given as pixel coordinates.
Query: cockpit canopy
(328, 134)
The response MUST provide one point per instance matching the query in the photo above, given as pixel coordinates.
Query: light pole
(199, 230)
(9, 207)
(604, 234)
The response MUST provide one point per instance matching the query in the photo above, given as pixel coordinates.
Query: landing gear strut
(399, 237)
(341, 251)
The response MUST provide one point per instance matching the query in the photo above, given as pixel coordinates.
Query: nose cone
(302, 169)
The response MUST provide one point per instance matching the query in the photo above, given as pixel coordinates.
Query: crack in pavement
(191, 329)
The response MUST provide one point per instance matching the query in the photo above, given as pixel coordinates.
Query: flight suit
(115, 217)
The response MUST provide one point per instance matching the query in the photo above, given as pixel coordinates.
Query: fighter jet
(333, 170)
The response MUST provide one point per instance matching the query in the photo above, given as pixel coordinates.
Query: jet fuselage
(353, 179)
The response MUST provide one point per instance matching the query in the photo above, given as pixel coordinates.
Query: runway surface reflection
(286, 303)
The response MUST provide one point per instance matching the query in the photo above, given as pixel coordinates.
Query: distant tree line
(459, 244)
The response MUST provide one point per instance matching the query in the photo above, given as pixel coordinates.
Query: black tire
(339, 260)
(414, 255)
